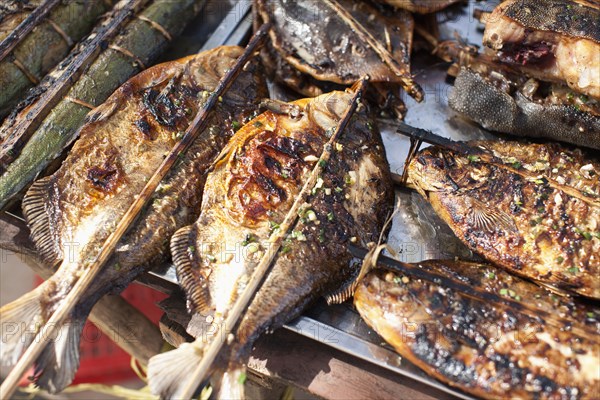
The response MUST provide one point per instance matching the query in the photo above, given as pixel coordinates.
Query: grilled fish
(72, 212)
(538, 346)
(246, 197)
(316, 46)
(420, 6)
(553, 40)
(533, 209)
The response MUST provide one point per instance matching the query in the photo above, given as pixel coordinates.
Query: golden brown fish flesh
(72, 212)
(514, 340)
(553, 40)
(247, 196)
(533, 209)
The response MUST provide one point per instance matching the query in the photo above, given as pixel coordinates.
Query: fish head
(440, 170)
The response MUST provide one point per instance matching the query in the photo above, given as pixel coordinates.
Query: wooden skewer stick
(416, 272)
(35, 115)
(9, 42)
(264, 265)
(408, 84)
(198, 124)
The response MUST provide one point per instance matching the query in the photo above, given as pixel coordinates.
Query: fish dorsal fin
(488, 219)
(35, 208)
(192, 282)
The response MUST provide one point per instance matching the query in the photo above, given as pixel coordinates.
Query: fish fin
(21, 320)
(168, 372)
(342, 294)
(55, 368)
(34, 208)
(192, 282)
(230, 384)
(488, 219)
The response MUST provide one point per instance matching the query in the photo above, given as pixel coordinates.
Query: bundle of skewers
(265, 204)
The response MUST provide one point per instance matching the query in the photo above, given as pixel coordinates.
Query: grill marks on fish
(72, 212)
(483, 347)
(215, 257)
(535, 211)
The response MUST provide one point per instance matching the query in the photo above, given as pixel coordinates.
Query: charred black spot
(145, 128)
(270, 187)
(166, 107)
(103, 178)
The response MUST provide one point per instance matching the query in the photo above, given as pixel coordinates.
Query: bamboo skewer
(26, 26)
(466, 149)
(408, 83)
(414, 271)
(197, 126)
(108, 71)
(40, 109)
(45, 47)
(113, 315)
(264, 265)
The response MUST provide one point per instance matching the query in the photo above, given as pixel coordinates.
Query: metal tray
(417, 233)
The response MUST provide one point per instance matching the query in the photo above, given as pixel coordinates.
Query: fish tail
(21, 320)
(168, 372)
(55, 368)
(230, 384)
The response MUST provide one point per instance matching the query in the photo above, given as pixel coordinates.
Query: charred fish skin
(340, 42)
(501, 110)
(247, 196)
(555, 40)
(72, 212)
(531, 208)
(483, 348)
(251, 189)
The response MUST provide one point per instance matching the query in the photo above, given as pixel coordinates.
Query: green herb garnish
(472, 158)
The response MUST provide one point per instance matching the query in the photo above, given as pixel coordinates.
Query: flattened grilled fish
(315, 44)
(249, 193)
(541, 347)
(420, 6)
(72, 212)
(553, 40)
(533, 209)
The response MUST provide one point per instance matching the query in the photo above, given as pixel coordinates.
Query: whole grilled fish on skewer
(246, 197)
(533, 209)
(72, 212)
(317, 46)
(481, 345)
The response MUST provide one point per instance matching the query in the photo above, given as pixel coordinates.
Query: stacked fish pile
(258, 202)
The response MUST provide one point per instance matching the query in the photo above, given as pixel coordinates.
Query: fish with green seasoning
(538, 346)
(533, 209)
(72, 212)
(246, 198)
